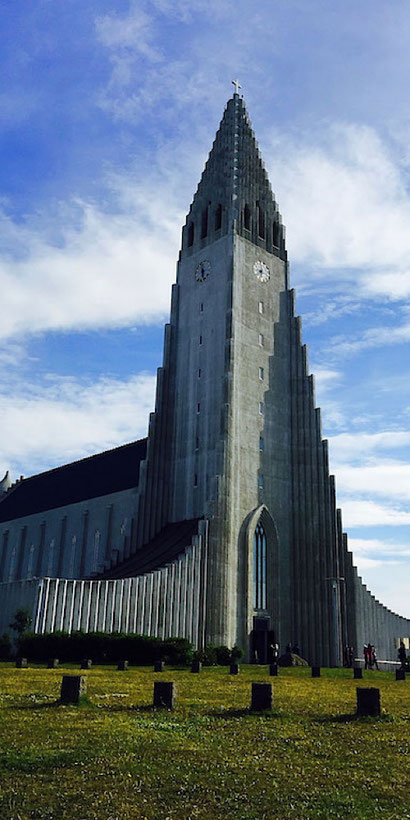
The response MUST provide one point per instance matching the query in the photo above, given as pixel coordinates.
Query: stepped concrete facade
(221, 526)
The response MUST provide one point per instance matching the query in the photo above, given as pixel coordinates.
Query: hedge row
(103, 647)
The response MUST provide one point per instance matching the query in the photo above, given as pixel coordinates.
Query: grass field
(115, 757)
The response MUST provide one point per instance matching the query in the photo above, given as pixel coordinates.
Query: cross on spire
(237, 85)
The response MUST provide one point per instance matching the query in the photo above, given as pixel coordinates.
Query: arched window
(261, 222)
(204, 223)
(191, 234)
(259, 568)
(276, 234)
(247, 218)
(218, 218)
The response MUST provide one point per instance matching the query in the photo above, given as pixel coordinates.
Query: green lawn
(115, 757)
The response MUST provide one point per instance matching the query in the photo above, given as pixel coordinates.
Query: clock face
(203, 270)
(261, 271)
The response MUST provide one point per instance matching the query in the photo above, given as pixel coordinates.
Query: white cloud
(347, 207)
(92, 268)
(364, 446)
(372, 547)
(134, 32)
(384, 479)
(367, 513)
(373, 337)
(64, 419)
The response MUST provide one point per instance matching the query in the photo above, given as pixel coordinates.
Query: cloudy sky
(107, 113)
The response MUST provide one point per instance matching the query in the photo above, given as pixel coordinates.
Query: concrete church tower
(243, 447)
(221, 526)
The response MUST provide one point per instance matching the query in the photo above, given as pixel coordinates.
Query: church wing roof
(99, 475)
(170, 542)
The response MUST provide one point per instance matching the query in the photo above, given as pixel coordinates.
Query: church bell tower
(236, 439)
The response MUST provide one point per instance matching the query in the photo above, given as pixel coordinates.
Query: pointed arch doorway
(263, 586)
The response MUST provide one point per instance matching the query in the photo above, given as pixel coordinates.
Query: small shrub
(5, 647)
(218, 655)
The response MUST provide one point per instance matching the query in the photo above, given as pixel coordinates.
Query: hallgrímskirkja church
(221, 526)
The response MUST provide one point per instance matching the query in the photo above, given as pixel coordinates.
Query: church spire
(234, 192)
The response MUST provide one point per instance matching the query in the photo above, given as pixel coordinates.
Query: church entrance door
(260, 639)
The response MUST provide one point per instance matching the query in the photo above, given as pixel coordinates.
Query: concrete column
(148, 605)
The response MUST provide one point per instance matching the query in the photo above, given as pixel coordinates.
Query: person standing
(402, 655)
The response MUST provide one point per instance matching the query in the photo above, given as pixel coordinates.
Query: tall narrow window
(200, 340)
(260, 339)
(218, 218)
(246, 218)
(261, 222)
(201, 307)
(261, 374)
(260, 481)
(261, 444)
(259, 568)
(197, 443)
(276, 234)
(191, 234)
(261, 307)
(195, 480)
(261, 408)
(198, 407)
(204, 223)
(199, 372)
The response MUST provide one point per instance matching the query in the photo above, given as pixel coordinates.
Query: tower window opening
(247, 218)
(260, 481)
(201, 307)
(261, 307)
(200, 340)
(260, 339)
(199, 372)
(261, 222)
(197, 443)
(196, 480)
(191, 234)
(261, 444)
(218, 217)
(276, 234)
(204, 223)
(261, 408)
(198, 407)
(259, 568)
(261, 374)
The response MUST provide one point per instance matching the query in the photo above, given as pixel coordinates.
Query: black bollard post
(315, 671)
(196, 666)
(164, 694)
(159, 666)
(274, 670)
(52, 663)
(122, 666)
(72, 688)
(400, 674)
(262, 697)
(234, 669)
(368, 701)
(357, 673)
(86, 663)
(21, 663)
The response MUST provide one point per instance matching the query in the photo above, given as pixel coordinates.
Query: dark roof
(165, 547)
(95, 476)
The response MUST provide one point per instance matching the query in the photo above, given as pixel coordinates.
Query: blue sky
(107, 113)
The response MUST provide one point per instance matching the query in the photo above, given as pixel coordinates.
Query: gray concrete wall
(166, 603)
(69, 542)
